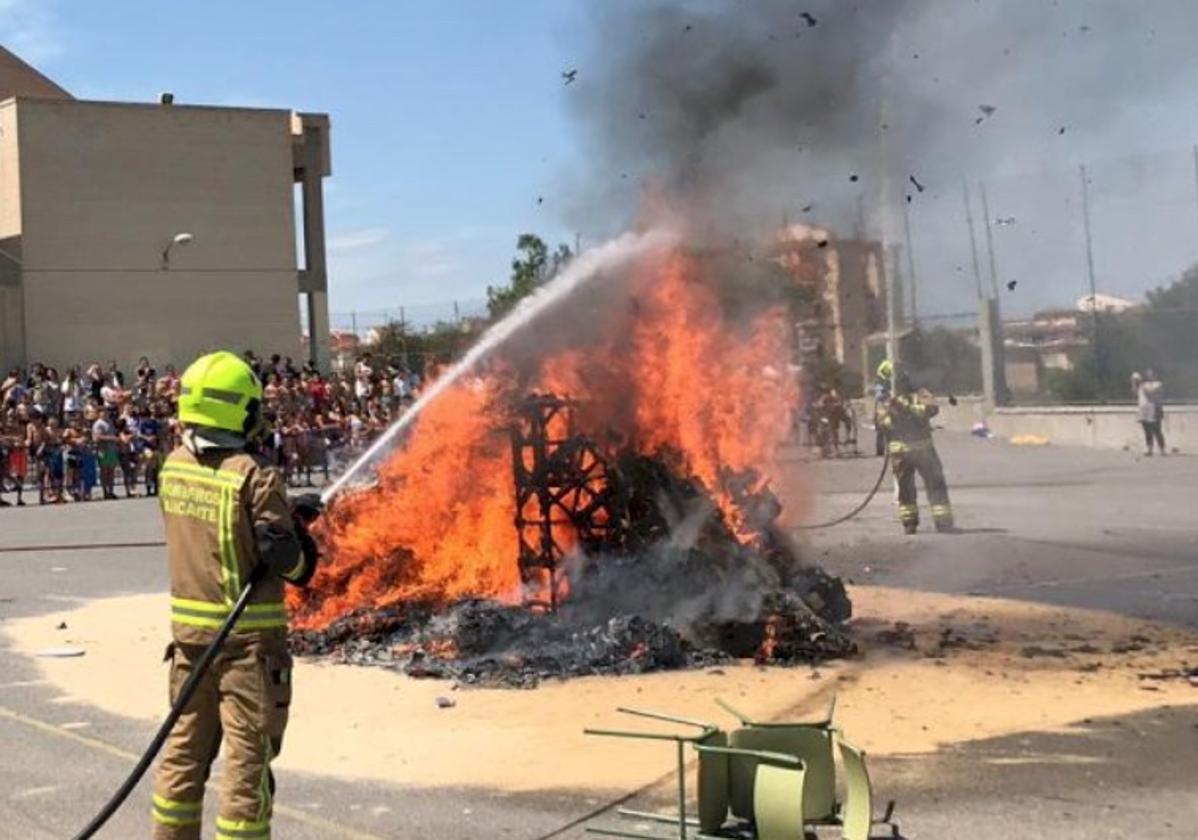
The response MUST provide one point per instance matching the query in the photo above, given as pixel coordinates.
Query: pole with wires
(890, 270)
(1095, 345)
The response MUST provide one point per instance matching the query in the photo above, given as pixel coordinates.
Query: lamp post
(178, 239)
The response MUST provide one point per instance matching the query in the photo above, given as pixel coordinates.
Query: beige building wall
(105, 187)
(12, 314)
(10, 173)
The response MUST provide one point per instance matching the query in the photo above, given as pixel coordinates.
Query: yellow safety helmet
(220, 391)
(886, 369)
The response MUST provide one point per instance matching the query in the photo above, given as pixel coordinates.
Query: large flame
(670, 372)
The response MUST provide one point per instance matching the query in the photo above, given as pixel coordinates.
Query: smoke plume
(746, 113)
(735, 110)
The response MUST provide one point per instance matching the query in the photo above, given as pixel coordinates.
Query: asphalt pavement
(1106, 530)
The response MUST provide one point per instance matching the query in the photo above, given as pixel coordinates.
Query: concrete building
(1053, 339)
(845, 281)
(92, 195)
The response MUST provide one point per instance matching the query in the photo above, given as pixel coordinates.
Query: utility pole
(1196, 171)
(892, 348)
(973, 244)
(403, 337)
(911, 265)
(990, 331)
(353, 323)
(989, 240)
(1099, 373)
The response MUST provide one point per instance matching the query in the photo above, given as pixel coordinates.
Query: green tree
(943, 361)
(1158, 336)
(533, 267)
(415, 349)
(1182, 294)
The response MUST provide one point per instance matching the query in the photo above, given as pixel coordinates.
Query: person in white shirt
(1150, 409)
(363, 373)
(72, 393)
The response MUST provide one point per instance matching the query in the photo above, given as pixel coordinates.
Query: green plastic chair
(712, 784)
(777, 794)
(779, 815)
(777, 788)
(812, 742)
(857, 817)
(809, 741)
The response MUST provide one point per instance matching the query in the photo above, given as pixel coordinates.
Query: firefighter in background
(830, 413)
(906, 419)
(227, 520)
(881, 397)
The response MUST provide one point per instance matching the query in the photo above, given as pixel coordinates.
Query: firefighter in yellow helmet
(906, 419)
(881, 391)
(227, 518)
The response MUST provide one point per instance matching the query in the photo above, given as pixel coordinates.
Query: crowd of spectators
(62, 437)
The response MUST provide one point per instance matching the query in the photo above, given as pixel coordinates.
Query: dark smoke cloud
(748, 114)
(722, 105)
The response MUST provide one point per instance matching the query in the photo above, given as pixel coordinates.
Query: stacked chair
(760, 781)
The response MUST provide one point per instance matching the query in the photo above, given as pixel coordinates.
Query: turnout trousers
(907, 460)
(243, 701)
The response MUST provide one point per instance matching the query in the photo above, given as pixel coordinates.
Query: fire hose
(865, 503)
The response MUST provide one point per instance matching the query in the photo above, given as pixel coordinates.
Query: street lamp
(179, 239)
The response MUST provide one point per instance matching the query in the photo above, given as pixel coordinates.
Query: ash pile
(629, 566)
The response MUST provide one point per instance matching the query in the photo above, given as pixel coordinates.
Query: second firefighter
(906, 420)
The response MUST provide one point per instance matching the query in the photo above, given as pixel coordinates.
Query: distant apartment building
(94, 194)
(344, 349)
(1053, 339)
(845, 280)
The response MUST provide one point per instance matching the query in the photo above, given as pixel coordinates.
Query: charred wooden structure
(562, 492)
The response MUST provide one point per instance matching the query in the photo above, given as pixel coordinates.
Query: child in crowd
(129, 451)
(107, 450)
(50, 455)
(149, 431)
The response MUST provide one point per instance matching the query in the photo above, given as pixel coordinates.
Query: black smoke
(731, 110)
(746, 113)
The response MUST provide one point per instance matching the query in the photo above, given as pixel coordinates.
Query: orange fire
(671, 372)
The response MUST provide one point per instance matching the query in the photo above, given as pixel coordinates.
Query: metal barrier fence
(413, 317)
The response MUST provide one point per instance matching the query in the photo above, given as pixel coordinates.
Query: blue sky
(447, 117)
(450, 120)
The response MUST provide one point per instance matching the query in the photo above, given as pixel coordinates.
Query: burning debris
(594, 498)
(627, 566)
(484, 643)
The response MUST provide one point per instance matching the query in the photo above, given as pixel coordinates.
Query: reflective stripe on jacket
(907, 422)
(211, 503)
(898, 447)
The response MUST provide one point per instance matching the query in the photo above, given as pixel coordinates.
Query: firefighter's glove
(307, 508)
(278, 548)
